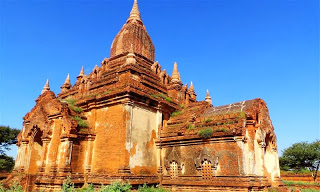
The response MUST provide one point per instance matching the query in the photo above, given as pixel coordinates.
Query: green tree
(6, 163)
(301, 156)
(8, 136)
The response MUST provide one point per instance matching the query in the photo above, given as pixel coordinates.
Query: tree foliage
(8, 136)
(301, 156)
(6, 163)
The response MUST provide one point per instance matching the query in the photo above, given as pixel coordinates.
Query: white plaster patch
(144, 123)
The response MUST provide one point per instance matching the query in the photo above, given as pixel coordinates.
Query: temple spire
(66, 85)
(135, 13)
(67, 81)
(46, 87)
(208, 98)
(191, 87)
(81, 74)
(175, 77)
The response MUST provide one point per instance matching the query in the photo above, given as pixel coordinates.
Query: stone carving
(205, 156)
(173, 161)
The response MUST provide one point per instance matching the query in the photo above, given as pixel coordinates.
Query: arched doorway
(36, 150)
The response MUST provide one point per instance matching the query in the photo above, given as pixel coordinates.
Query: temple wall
(20, 161)
(271, 163)
(79, 150)
(227, 155)
(53, 147)
(141, 145)
(109, 151)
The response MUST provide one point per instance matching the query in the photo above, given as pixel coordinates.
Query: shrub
(70, 101)
(16, 187)
(157, 96)
(72, 106)
(87, 188)
(304, 171)
(289, 183)
(309, 190)
(168, 99)
(175, 113)
(206, 133)
(241, 114)
(162, 96)
(145, 188)
(75, 108)
(222, 130)
(190, 127)
(274, 189)
(208, 120)
(67, 185)
(165, 97)
(81, 122)
(116, 187)
(154, 95)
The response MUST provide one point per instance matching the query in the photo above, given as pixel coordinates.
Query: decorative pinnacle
(81, 72)
(46, 87)
(67, 81)
(66, 84)
(208, 98)
(175, 74)
(135, 13)
(191, 87)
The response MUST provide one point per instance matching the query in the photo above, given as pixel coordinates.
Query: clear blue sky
(239, 50)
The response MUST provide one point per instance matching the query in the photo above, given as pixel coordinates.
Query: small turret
(208, 98)
(81, 74)
(191, 87)
(192, 92)
(175, 77)
(66, 85)
(46, 87)
(67, 81)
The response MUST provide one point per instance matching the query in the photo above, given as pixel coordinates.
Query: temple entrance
(36, 151)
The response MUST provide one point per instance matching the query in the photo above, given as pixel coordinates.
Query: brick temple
(128, 120)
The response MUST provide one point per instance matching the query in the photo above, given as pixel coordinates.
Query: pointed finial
(135, 13)
(191, 87)
(208, 98)
(66, 85)
(175, 74)
(67, 81)
(81, 72)
(46, 87)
